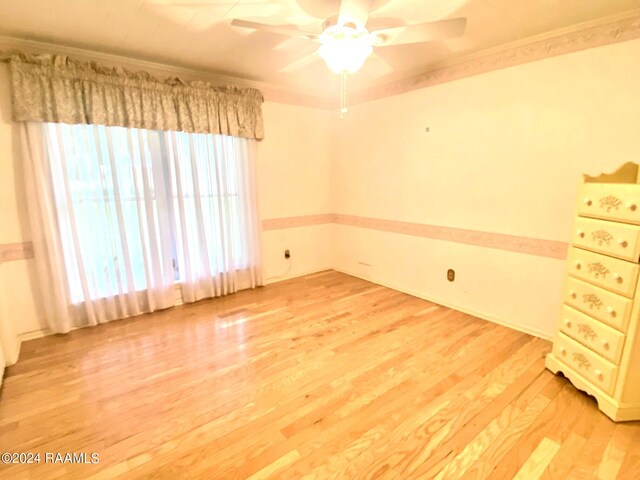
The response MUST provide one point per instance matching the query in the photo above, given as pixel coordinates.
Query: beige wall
(293, 179)
(17, 278)
(504, 154)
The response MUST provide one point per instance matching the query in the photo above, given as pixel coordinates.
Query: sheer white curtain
(215, 212)
(119, 216)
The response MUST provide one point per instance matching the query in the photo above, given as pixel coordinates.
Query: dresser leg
(607, 405)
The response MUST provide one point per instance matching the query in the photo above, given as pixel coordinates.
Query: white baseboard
(469, 311)
(45, 332)
(277, 279)
(10, 358)
(484, 316)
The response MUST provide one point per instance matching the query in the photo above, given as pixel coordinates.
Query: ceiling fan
(346, 43)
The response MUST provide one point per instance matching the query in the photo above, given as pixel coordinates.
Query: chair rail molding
(15, 251)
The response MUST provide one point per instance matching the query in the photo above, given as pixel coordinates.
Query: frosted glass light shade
(344, 49)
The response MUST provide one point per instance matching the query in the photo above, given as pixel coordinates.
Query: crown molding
(603, 31)
(271, 92)
(582, 36)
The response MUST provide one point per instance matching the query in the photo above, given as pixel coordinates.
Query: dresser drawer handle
(631, 206)
(580, 233)
(567, 323)
(563, 350)
(573, 294)
(611, 311)
(605, 344)
(622, 242)
(598, 374)
(587, 201)
(617, 277)
(577, 264)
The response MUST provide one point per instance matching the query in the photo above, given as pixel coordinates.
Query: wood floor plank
(476, 408)
(323, 376)
(615, 452)
(530, 440)
(587, 460)
(538, 461)
(480, 455)
(631, 463)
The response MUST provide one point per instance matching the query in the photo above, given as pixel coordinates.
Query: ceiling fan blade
(300, 63)
(319, 8)
(425, 32)
(188, 3)
(356, 11)
(376, 66)
(288, 30)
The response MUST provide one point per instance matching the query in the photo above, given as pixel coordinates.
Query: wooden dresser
(597, 345)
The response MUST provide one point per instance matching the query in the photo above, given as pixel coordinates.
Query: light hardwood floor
(325, 376)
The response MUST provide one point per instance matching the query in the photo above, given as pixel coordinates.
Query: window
(137, 207)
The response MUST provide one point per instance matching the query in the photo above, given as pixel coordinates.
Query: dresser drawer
(604, 305)
(600, 338)
(614, 201)
(618, 239)
(591, 366)
(613, 274)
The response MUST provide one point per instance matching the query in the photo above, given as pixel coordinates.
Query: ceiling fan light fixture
(344, 48)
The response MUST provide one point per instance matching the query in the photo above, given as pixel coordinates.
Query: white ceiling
(197, 34)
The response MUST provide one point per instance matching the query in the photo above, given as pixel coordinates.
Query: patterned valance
(55, 88)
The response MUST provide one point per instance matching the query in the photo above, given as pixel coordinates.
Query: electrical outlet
(287, 254)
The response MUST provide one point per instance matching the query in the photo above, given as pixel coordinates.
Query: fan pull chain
(343, 94)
